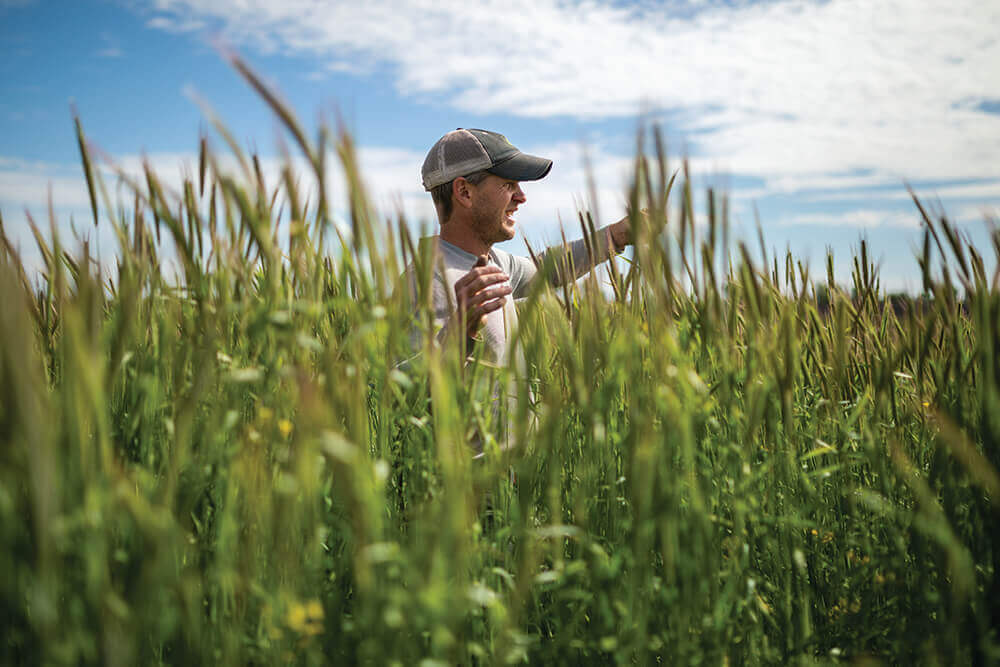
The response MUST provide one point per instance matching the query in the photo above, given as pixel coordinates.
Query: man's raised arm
(565, 263)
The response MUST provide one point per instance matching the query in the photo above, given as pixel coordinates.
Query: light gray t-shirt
(452, 263)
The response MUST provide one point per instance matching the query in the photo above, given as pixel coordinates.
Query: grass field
(724, 463)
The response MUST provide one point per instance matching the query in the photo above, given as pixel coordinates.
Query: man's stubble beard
(489, 228)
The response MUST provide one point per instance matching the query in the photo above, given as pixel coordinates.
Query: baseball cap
(466, 151)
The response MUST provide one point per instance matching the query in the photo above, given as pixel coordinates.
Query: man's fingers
(477, 272)
(478, 283)
(481, 291)
(483, 282)
(487, 308)
(485, 295)
(480, 270)
(469, 303)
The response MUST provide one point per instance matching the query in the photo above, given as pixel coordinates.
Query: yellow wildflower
(306, 619)
(297, 617)
(285, 427)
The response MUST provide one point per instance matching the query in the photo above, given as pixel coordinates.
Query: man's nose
(519, 195)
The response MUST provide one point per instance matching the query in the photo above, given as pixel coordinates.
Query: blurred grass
(726, 463)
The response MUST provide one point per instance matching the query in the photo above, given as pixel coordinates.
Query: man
(474, 177)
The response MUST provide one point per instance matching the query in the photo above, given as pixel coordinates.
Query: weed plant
(721, 463)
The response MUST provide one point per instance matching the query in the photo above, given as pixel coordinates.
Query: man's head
(464, 160)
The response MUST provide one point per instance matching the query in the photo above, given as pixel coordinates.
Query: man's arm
(566, 263)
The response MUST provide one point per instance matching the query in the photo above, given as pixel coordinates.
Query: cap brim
(522, 167)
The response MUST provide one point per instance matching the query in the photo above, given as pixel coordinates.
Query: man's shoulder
(445, 264)
(427, 250)
(506, 260)
(514, 265)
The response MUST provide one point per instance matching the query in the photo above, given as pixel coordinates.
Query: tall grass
(726, 463)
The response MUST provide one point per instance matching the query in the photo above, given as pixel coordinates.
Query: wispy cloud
(111, 48)
(860, 218)
(338, 67)
(986, 192)
(176, 23)
(978, 213)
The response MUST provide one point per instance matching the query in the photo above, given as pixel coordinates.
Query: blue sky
(814, 113)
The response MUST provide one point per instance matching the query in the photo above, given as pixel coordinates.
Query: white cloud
(784, 90)
(175, 24)
(982, 191)
(976, 214)
(795, 183)
(26, 184)
(861, 218)
(985, 192)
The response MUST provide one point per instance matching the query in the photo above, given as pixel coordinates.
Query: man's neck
(463, 237)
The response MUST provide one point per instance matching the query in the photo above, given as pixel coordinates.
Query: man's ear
(461, 192)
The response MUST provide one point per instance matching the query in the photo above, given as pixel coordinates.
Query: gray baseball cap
(463, 152)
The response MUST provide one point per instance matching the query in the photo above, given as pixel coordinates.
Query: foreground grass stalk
(720, 464)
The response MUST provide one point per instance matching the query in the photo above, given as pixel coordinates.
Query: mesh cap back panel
(457, 153)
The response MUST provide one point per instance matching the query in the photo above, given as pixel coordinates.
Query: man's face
(495, 201)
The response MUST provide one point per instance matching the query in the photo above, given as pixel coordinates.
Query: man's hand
(479, 292)
(620, 233)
